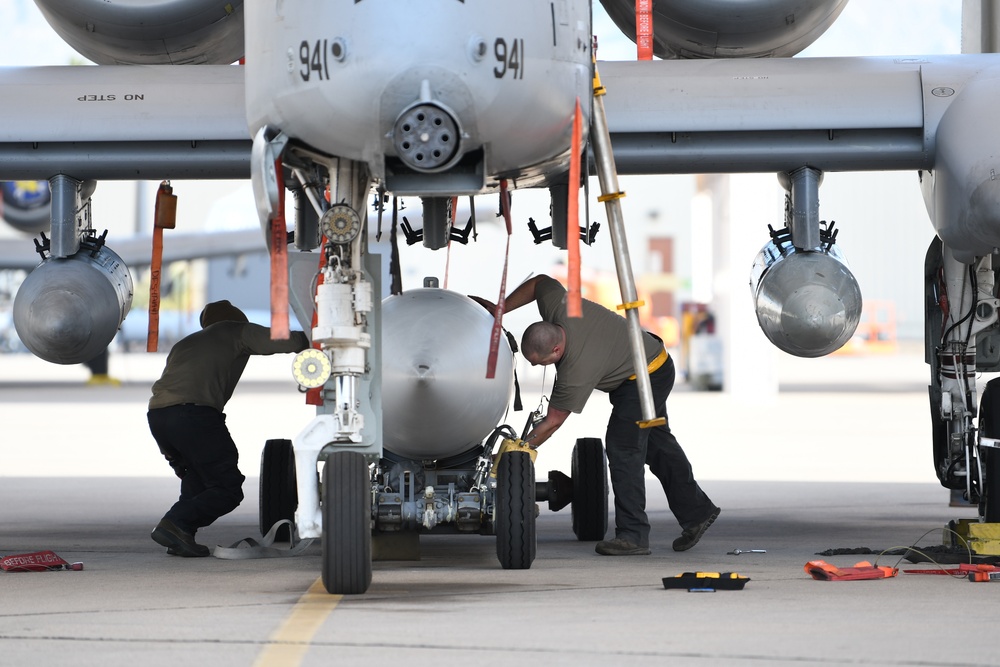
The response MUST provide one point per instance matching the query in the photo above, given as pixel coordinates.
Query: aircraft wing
(762, 115)
(687, 116)
(131, 122)
(137, 250)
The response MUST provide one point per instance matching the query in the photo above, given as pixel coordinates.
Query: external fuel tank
(67, 311)
(436, 399)
(808, 303)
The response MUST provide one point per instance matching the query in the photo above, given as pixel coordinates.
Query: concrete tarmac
(841, 461)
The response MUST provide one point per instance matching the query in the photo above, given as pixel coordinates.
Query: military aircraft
(474, 99)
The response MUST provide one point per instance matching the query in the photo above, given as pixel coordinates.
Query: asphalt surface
(838, 463)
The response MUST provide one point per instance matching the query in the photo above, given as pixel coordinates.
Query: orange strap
(644, 29)
(164, 217)
(155, 264)
(574, 304)
(491, 362)
(279, 264)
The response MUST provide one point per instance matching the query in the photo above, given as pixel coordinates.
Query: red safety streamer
(155, 267)
(164, 217)
(574, 304)
(279, 264)
(491, 362)
(644, 29)
(38, 561)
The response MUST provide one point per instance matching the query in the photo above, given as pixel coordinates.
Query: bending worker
(186, 419)
(593, 352)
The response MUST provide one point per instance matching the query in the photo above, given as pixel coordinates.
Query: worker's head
(543, 343)
(221, 311)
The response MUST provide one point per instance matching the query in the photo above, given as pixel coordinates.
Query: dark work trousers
(196, 442)
(630, 448)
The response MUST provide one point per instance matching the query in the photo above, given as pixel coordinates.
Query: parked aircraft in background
(474, 99)
(24, 205)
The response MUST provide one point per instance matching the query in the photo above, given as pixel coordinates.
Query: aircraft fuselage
(474, 91)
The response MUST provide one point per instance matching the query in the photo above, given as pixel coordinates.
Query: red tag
(39, 561)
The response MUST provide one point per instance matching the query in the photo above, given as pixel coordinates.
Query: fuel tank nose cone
(67, 311)
(808, 303)
(60, 320)
(436, 399)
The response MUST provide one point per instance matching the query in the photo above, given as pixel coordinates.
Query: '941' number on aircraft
(314, 59)
(509, 58)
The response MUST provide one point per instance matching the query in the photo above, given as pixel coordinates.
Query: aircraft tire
(515, 511)
(347, 529)
(590, 490)
(279, 495)
(989, 427)
(991, 486)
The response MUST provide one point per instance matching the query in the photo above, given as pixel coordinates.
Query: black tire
(991, 486)
(347, 532)
(989, 427)
(515, 511)
(279, 496)
(590, 490)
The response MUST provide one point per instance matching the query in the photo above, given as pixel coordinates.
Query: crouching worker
(186, 419)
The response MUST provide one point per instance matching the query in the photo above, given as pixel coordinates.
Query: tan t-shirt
(598, 353)
(205, 367)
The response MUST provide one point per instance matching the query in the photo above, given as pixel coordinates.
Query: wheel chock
(706, 581)
(982, 538)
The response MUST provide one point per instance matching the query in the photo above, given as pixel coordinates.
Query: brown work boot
(690, 536)
(167, 534)
(620, 547)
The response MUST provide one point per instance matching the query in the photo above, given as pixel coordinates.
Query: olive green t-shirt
(205, 367)
(598, 353)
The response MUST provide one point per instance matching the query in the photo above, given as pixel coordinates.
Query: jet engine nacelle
(24, 205)
(962, 192)
(727, 29)
(436, 399)
(68, 310)
(808, 303)
(167, 32)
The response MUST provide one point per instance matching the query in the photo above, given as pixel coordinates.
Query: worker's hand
(488, 305)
